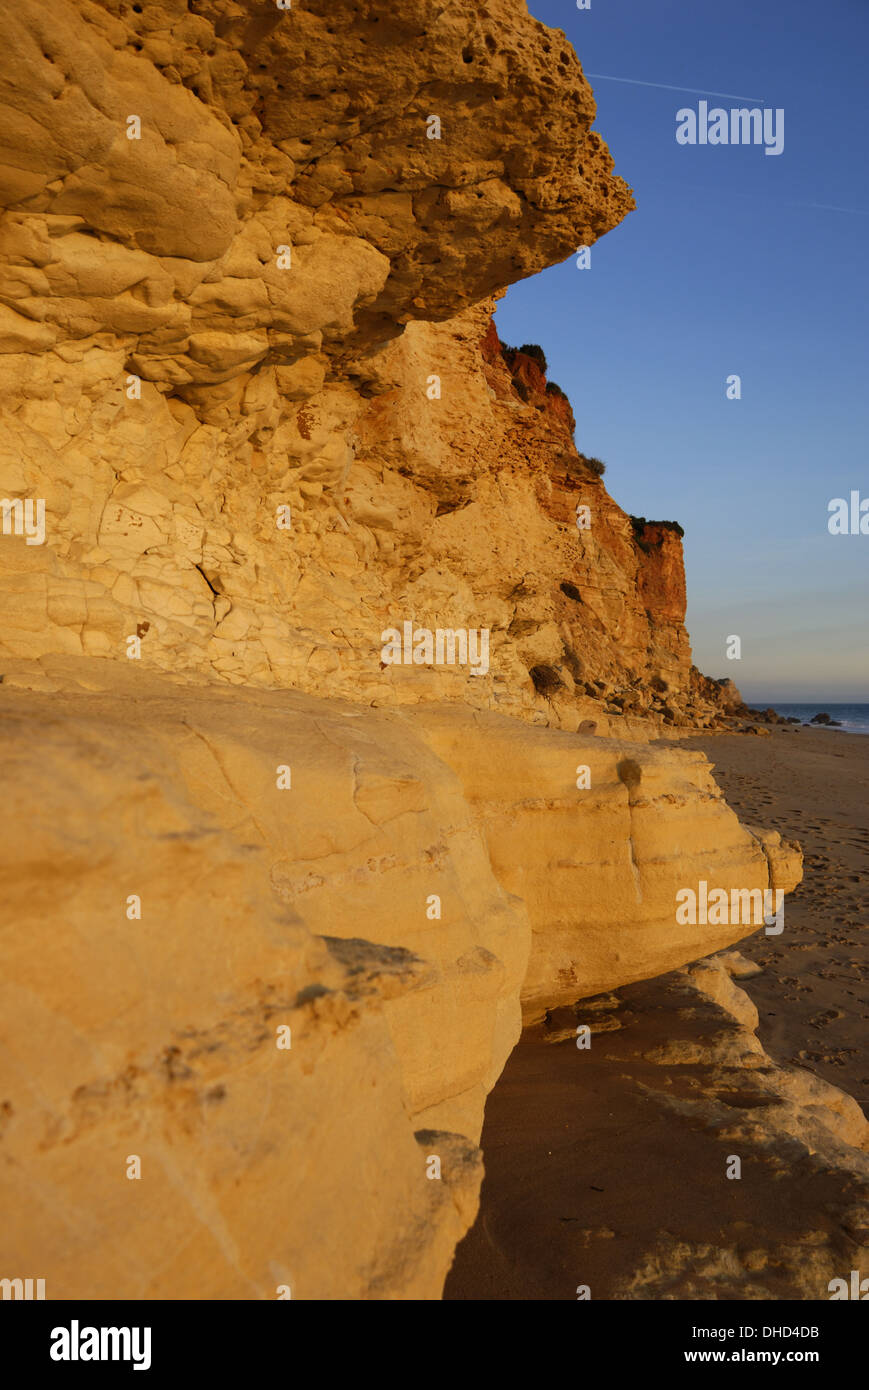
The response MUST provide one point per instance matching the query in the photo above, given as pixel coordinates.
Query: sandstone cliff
(247, 362)
(200, 326)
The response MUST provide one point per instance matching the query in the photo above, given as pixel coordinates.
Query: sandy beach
(606, 1169)
(813, 786)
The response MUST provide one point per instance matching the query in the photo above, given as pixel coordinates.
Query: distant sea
(854, 718)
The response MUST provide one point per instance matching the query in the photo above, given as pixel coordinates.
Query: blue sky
(729, 266)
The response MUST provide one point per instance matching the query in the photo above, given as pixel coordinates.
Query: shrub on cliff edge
(594, 466)
(639, 523)
(535, 351)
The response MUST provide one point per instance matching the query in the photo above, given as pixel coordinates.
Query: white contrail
(695, 91)
(779, 202)
(828, 207)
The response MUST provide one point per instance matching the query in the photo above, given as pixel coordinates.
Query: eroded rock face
(202, 378)
(260, 908)
(187, 870)
(598, 838)
(458, 512)
(317, 122)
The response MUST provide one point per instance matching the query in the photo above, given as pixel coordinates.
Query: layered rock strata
(215, 230)
(188, 871)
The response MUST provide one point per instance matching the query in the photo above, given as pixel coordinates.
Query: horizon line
(774, 700)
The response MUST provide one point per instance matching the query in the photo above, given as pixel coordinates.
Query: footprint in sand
(827, 1016)
(836, 1057)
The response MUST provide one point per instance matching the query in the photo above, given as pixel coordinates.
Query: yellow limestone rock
(598, 838)
(169, 910)
(187, 870)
